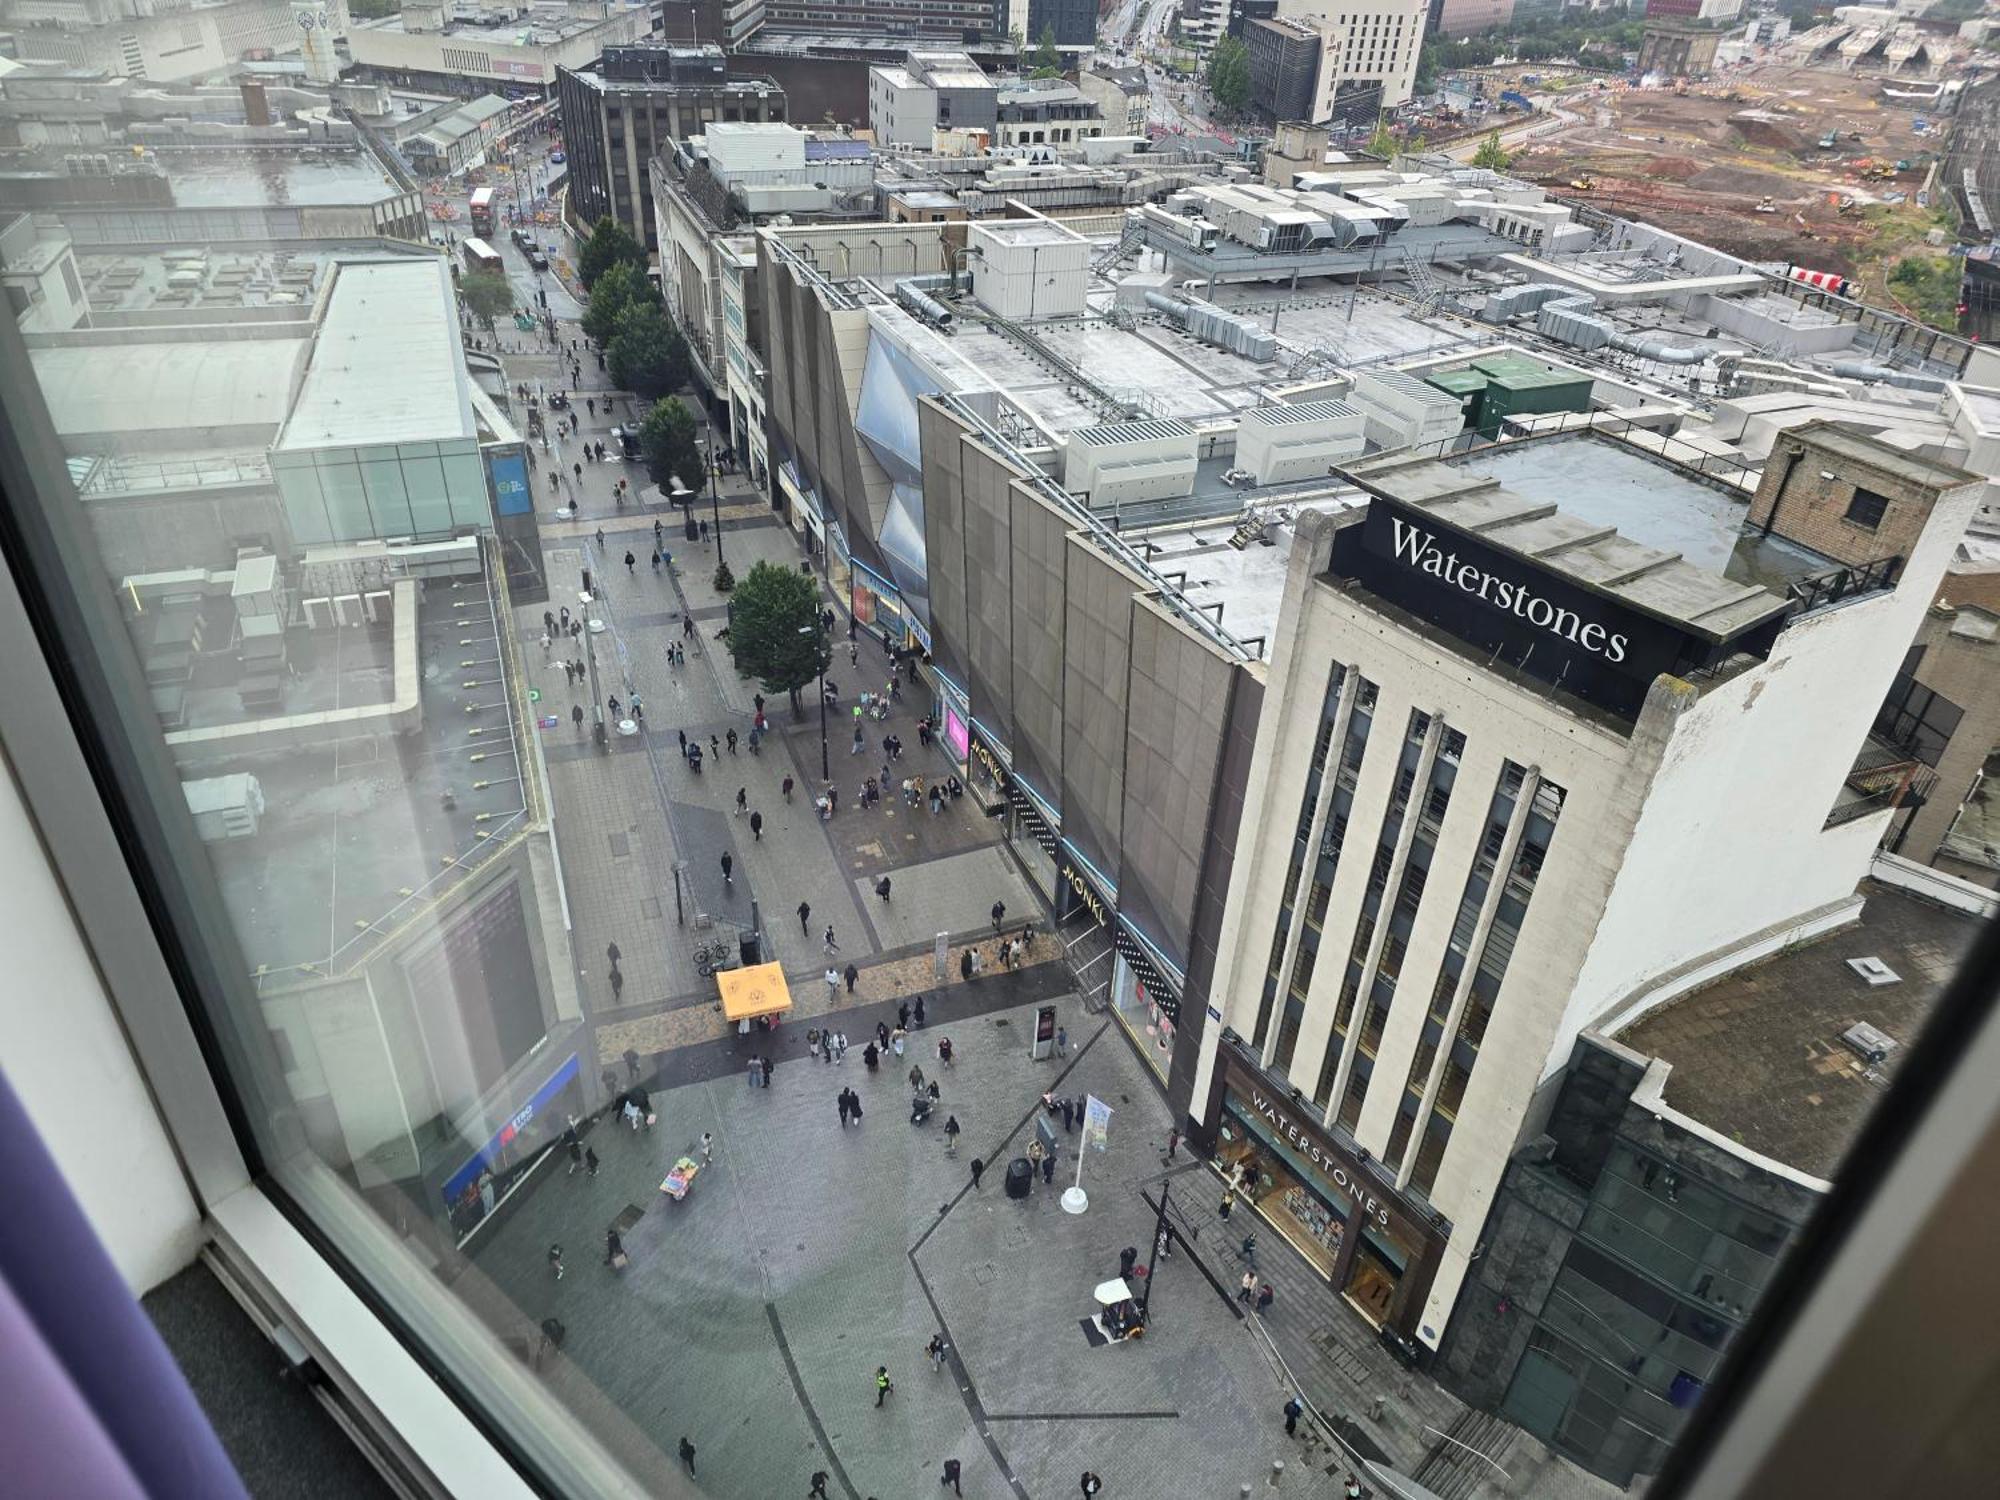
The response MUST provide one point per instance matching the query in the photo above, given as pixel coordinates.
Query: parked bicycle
(709, 957)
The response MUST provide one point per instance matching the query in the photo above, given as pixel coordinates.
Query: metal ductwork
(1660, 350)
(914, 293)
(1855, 369)
(1213, 326)
(1503, 306)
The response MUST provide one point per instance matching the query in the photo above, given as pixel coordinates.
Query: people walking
(999, 914)
(575, 1152)
(757, 828)
(707, 1146)
(1294, 1409)
(965, 966)
(840, 1103)
(728, 864)
(884, 1386)
(1266, 1295)
(882, 889)
(805, 916)
(1247, 1287)
(919, 1011)
(1228, 1202)
(556, 1261)
(978, 1166)
(742, 800)
(831, 945)
(832, 982)
(951, 1129)
(1062, 1042)
(850, 976)
(1091, 1484)
(617, 984)
(818, 1490)
(786, 788)
(687, 1454)
(590, 1161)
(1173, 1142)
(950, 1475)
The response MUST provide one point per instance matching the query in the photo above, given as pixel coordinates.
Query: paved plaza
(753, 1314)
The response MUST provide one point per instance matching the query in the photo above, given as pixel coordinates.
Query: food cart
(755, 992)
(680, 1177)
(1120, 1316)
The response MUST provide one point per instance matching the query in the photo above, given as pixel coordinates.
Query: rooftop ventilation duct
(1213, 326)
(914, 293)
(1851, 369)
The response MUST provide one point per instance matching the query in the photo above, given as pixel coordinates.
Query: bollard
(1243, 1492)
(1375, 1406)
(1277, 1474)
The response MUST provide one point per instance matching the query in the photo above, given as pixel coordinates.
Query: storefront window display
(1313, 1217)
(1141, 1014)
(957, 734)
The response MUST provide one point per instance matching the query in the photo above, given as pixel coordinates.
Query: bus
(480, 256)
(482, 211)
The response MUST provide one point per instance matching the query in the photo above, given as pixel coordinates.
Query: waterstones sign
(1353, 1185)
(1527, 618)
(1419, 548)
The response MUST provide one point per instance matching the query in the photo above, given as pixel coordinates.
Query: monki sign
(1332, 1168)
(1419, 549)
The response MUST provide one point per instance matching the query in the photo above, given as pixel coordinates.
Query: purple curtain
(95, 1405)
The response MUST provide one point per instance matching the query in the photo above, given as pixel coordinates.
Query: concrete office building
(168, 45)
(959, 20)
(428, 46)
(1523, 705)
(1243, 12)
(1284, 61)
(630, 107)
(1463, 18)
(929, 92)
(1373, 44)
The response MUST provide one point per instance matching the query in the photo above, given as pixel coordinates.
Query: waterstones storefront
(1378, 1249)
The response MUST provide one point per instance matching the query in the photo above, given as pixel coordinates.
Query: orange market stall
(753, 992)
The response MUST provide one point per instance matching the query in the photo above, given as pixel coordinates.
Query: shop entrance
(1371, 1285)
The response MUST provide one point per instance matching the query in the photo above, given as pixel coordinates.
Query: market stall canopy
(757, 990)
(1112, 1292)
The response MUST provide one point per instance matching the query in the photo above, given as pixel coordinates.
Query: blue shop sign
(541, 1099)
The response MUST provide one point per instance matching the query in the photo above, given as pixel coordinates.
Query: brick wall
(1815, 495)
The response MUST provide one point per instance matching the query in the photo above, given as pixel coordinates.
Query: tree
(1929, 286)
(617, 289)
(1491, 155)
(1383, 142)
(609, 243)
(774, 629)
(1046, 60)
(1229, 74)
(647, 354)
(487, 294)
(667, 438)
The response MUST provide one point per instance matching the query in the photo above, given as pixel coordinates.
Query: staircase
(1457, 1465)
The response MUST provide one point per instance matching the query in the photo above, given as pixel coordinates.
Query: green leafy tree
(609, 244)
(647, 354)
(1383, 142)
(667, 439)
(488, 295)
(1046, 60)
(774, 629)
(1929, 286)
(1229, 74)
(1491, 154)
(617, 289)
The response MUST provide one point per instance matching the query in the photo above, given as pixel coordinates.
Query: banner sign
(1096, 1122)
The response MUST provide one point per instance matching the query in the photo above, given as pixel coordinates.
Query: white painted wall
(1731, 839)
(65, 1055)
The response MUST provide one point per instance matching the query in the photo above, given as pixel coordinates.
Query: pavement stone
(837, 1240)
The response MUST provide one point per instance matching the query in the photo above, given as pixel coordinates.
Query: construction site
(1775, 163)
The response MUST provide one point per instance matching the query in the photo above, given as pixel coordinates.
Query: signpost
(1045, 1033)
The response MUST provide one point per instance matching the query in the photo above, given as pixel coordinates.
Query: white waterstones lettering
(1370, 1206)
(1420, 550)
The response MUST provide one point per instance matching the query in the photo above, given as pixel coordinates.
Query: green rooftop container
(1468, 385)
(1519, 386)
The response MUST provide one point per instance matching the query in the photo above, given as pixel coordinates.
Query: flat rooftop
(387, 366)
(349, 829)
(1758, 1056)
(1611, 520)
(185, 387)
(276, 177)
(199, 277)
(1649, 502)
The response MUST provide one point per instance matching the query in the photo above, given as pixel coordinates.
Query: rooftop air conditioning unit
(1870, 1045)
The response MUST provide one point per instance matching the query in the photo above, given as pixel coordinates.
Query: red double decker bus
(482, 211)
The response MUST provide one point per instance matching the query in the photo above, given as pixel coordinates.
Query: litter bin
(1020, 1177)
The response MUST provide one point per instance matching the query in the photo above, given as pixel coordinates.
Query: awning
(1113, 1291)
(758, 990)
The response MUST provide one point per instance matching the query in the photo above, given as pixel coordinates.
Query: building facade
(1463, 18)
(931, 91)
(421, 48)
(1072, 22)
(618, 116)
(1371, 46)
(1284, 62)
(1045, 111)
(960, 20)
(1122, 96)
(1482, 775)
